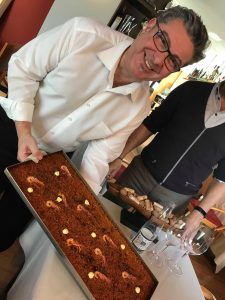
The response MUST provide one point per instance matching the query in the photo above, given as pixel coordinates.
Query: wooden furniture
(5, 54)
(131, 14)
(207, 294)
(3, 6)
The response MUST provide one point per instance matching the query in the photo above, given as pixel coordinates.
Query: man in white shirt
(83, 82)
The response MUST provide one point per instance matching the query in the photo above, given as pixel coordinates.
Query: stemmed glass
(156, 252)
(194, 246)
(154, 249)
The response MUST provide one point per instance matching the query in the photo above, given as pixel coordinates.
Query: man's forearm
(139, 136)
(215, 194)
(23, 128)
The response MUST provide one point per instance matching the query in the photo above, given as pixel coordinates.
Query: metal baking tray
(9, 173)
(60, 253)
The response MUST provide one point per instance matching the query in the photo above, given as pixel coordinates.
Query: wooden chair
(5, 53)
(207, 294)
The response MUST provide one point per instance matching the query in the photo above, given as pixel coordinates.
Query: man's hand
(114, 167)
(192, 224)
(27, 145)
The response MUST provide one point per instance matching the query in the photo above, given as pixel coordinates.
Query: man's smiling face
(143, 61)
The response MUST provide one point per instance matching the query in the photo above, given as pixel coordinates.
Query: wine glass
(201, 241)
(171, 238)
(194, 246)
(154, 249)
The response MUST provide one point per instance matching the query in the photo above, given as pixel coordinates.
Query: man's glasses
(171, 62)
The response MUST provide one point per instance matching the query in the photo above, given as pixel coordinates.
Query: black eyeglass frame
(172, 58)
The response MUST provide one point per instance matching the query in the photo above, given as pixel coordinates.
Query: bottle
(117, 22)
(144, 237)
(200, 73)
(195, 73)
(214, 73)
(148, 232)
(203, 75)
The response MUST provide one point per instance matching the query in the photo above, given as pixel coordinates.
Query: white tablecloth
(44, 277)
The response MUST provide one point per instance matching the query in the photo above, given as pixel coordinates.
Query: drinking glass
(154, 249)
(193, 246)
(157, 252)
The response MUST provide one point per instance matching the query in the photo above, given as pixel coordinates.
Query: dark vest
(184, 127)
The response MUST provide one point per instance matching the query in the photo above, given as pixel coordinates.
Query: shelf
(139, 10)
(144, 8)
(198, 79)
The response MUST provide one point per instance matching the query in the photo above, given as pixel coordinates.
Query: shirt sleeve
(30, 65)
(162, 115)
(219, 172)
(99, 153)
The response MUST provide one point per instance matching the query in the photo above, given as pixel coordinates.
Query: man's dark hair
(194, 26)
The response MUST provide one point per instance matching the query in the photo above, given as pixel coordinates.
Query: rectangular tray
(74, 207)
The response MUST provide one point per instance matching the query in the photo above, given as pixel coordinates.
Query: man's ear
(151, 23)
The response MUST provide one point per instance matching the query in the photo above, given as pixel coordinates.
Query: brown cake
(80, 227)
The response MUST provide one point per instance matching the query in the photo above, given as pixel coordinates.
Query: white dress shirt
(213, 115)
(62, 82)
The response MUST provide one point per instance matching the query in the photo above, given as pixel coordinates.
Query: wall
(212, 13)
(62, 10)
(22, 20)
(165, 83)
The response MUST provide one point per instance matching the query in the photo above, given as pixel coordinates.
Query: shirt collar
(110, 58)
(214, 98)
(213, 115)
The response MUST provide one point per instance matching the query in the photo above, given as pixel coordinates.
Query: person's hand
(27, 145)
(193, 222)
(114, 167)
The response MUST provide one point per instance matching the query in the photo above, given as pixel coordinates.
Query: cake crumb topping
(81, 208)
(89, 239)
(59, 199)
(128, 276)
(65, 231)
(35, 181)
(108, 240)
(65, 170)
(137, 290)
(99, 253)
(122, 246)
(71, 242)
(86, 202)
(30, 190)
(91, 275)
(62, 197)
(50, 203)
(102, 277)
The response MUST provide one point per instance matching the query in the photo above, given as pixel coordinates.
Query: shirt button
(70, 119)
(88, 104)
(52, 132)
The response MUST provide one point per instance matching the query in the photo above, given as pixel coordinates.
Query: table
(44, 277)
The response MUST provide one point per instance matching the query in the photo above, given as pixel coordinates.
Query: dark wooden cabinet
(131, 15)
